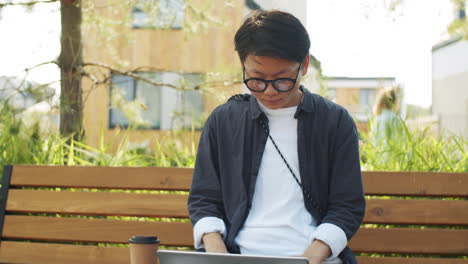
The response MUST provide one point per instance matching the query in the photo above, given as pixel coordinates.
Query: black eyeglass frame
(273, 82)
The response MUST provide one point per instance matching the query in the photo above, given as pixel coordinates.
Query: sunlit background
(359, 44)
(353, 38)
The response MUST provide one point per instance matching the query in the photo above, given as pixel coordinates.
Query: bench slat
(376, 183)
(97, 203)
(392, 260)
(411, 241)
(94, 230)
(369, 240)
(421, 212)
(442, 212)
(147, 178)
(38, 253)
(41, 253)
(380, 240)
(416, 183)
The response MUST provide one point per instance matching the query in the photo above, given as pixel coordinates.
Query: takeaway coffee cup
(143, 249)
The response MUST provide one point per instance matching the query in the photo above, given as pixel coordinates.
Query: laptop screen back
(190, 257)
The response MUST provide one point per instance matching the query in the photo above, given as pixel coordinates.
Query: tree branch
(131, 74)
(40, 64)
(221, 83)
(27, 3)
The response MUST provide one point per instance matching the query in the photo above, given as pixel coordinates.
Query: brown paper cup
(143, 249)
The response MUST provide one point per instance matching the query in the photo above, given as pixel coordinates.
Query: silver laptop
(190, 257)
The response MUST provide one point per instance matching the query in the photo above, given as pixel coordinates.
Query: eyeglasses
(280, 85)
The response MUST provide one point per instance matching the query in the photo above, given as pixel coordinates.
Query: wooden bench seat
(58, 214)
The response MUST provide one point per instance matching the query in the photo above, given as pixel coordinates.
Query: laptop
(191, 257)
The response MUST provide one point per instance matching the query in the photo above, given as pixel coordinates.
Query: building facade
(357, 94)
(176, 53)
(450, 85)
(183, 52)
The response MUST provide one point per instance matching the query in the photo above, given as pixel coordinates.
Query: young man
(277, 171)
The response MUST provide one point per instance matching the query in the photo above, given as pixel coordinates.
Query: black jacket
(231, 148)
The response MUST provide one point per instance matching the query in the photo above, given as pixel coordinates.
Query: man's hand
(214, 243)
(317, 252)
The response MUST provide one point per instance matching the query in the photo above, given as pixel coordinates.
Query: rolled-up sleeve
(207, 225)
(205, 197)
(333, 236)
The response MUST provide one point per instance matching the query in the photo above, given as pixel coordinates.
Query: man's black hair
(272, 33)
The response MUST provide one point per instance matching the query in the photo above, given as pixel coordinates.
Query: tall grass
(22, 143)
(414, 150)
(25, 144)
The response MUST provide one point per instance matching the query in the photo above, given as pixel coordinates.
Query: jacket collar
(307, 105)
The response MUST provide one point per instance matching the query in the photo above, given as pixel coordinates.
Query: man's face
(270, 68)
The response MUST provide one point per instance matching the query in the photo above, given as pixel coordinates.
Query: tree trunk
(70, 63)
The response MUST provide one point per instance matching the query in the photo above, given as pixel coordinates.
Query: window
(366, 101)
(159, 14)
(156, 107)
(191, 105)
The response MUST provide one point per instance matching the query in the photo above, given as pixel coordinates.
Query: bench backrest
(58, 214)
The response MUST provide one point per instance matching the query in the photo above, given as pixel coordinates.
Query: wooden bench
(48, 208)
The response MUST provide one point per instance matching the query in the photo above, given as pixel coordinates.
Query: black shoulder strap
(307, 196)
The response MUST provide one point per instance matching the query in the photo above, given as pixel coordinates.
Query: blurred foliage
(25, 144)
(22, 143)
(414, 150)
(458, 27)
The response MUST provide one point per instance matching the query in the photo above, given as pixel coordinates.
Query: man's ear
(305, 65)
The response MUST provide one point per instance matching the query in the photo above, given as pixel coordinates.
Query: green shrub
(26, 144)
(406, 151)
(414, 150)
